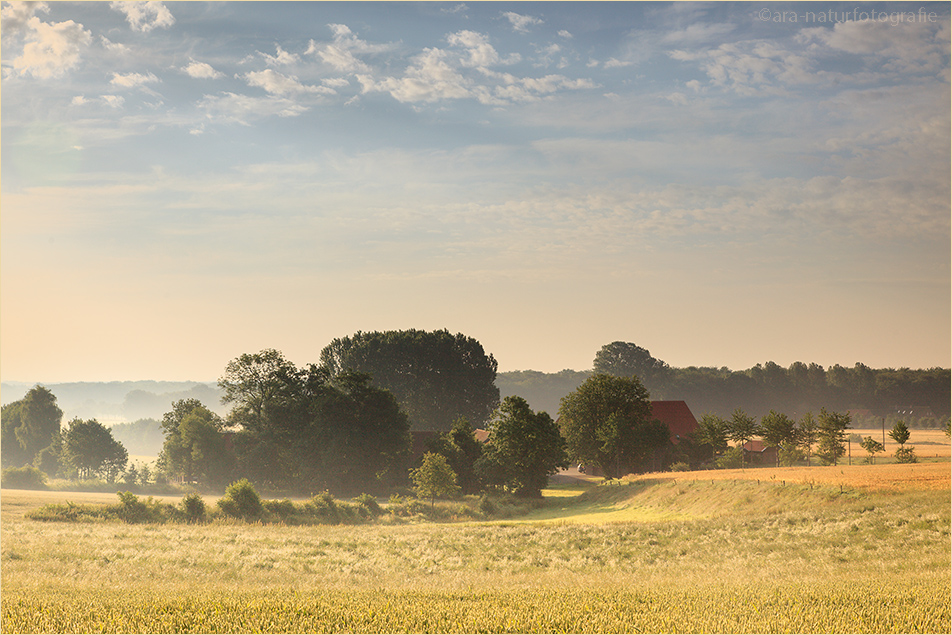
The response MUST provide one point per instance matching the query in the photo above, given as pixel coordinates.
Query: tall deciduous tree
(831, 432)
(778, 431)
(625, 359)
(28, 426)
(194, 448)
(808, 434)
(608, 422)
(88, 448)
(435, 376)
(524, 447)
(742, 428)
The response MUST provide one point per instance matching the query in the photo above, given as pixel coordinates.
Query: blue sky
(723, 184)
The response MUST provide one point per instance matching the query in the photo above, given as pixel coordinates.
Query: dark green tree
(831, 433)
(89, 450)
(607, 422)
(195, 448)
(712, 431)
(625, 359)
(435, 376)
(359, 435)
(524, 447)
(462, 451)
(741, 428)
(808, 434)
(263, 387)
(779, 431)
(900, 434)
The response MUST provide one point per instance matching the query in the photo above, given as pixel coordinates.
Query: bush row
(241, 502)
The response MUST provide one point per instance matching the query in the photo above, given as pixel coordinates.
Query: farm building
(756, 453)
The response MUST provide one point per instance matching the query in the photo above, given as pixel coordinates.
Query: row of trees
(31, 434)
(797, 388)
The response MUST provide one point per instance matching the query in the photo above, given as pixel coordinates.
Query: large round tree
(435, 376)
(608, 422)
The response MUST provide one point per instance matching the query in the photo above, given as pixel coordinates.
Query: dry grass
(881, 477)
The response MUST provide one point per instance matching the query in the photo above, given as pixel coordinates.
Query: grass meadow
(825, 549)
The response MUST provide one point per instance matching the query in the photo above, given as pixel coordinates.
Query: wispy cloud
(521, 23)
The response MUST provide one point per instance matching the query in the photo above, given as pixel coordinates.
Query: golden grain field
(661, 553)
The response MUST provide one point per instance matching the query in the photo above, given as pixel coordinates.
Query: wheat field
(651, 555)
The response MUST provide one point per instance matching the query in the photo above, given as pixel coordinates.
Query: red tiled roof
(677, 415)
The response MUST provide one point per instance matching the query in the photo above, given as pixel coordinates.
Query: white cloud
(278, 84)
(281, 58)
(342, 53)
(115, 47)
(429, 79)
(51, 49)
(521, 23)
(616, 63)
(201, 70)
(481, 52)
(457, 8)
(131, 80)
(145, 16)
(229, 107)
(565, 34)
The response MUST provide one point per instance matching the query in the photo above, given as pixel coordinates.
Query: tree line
(335, 426)
(921, 398)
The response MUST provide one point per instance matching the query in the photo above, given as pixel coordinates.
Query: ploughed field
(824, 549)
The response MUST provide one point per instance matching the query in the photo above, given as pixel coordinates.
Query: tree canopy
(306, 429)
(435, 376)
(625, 359)
(523, 449)
(28, 426)
(89, 450)
(608, 422)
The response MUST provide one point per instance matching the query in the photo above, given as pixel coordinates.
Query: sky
(723, 184)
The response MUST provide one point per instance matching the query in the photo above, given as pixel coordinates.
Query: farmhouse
(756, 453)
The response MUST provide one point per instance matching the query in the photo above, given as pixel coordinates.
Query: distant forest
(921, 398)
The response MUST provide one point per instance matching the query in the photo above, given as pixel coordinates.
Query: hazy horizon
(723, 184)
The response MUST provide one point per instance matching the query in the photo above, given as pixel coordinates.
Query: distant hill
(120, 401)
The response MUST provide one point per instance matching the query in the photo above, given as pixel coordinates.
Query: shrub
(906, 455)
(731, 459)
(26, 477)
(283, 509)
(241, 501)
(368, 502)
(132, 510)
(487, 506)
(325, 507)
(680, 466)
(193, 507)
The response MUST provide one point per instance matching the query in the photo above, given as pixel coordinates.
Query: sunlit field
(824, 549)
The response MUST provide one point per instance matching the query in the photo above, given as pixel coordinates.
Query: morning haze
(193, 181)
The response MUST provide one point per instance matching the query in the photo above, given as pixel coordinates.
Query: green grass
(658, 556)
